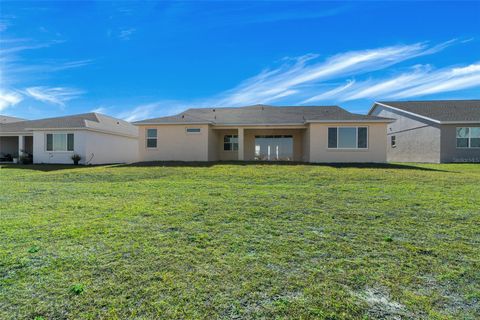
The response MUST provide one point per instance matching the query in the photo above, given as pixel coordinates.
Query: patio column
(240, 144)
(21, 145)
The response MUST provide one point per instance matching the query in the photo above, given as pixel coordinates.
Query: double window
(230, 142)
(468, 137)
(348, 138)
(151, 138)
(60, 141)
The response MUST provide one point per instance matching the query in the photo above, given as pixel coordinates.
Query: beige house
(264, 133)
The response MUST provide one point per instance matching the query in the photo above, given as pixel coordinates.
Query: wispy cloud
(9, 98)
(288, 79)
(420, 81)
(157, 109)
(57, 95)
(126, 34)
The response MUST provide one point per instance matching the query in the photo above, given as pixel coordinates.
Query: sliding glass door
(274, 148)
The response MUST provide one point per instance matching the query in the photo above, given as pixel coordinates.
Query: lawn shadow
(277, 163)
(205, 164)
(44, 167)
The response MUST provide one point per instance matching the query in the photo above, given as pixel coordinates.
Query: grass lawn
(240, 241)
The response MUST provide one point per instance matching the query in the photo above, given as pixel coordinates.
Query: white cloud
(421, 81)
(100, 110)
(57, 95)
(288, 79)
(125, 34)
(9, 98)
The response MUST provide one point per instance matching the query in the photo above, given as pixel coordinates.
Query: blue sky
(138, 60)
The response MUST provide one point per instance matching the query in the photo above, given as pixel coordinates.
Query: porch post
(240, 144)
(21, 145)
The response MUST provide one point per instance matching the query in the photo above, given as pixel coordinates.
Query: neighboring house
(95, 137)
(260, 132)
(432, 131)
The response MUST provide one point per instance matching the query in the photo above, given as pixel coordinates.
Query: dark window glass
(230, 142)
(332, 137)
(193, 130)
(475, 143)
(151, 143)
(49, 142)
(151, 133)
(393, 141)
(70, 142)
(362, 137)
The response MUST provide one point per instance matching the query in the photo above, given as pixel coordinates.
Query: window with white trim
(468, 137)
(348, 137)
(193, 130)
(230, 142)
(59, 141)
(151, 138)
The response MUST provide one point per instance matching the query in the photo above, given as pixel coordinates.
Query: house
(261, 132)
(432, 131)
(95, 137)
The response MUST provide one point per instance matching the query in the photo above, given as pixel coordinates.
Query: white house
(95, 137)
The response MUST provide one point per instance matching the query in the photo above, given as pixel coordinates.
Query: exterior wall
(223, 155)
(9, 145)
(376, 151)
(103, 148)
(449, 150)
(174, 144)
(41, 155)
(93, 147)
(306, 144)
(213, 145)
(417, 139)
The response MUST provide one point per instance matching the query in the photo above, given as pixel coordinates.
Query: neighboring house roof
(263, 115)
(440, 111)
(8, 119)
(90, 121)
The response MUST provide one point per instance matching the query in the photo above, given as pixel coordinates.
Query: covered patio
(14, 147)
(259, 143)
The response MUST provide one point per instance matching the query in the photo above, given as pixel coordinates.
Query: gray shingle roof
(87, 120)
(262, 114)
(8, 119)
(441, 110)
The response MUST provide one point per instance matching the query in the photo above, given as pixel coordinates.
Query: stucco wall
(417, 140)
(223, 155)
(376, 151)
(174, 144)
(93, 147)
(102, 148)
(40, 155)
(449, 150)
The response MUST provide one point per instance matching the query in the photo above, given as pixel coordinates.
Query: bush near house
(240, 241)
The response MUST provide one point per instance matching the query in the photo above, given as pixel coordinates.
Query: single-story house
(95, 137)
(261, 132)
(432, 131)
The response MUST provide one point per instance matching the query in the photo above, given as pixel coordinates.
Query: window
(468, 137)
(60, 142)
(230, 142)
(348, 138)
(151, 138)
(193, 130)
(393, 141)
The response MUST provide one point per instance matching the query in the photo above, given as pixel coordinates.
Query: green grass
(240, 241)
